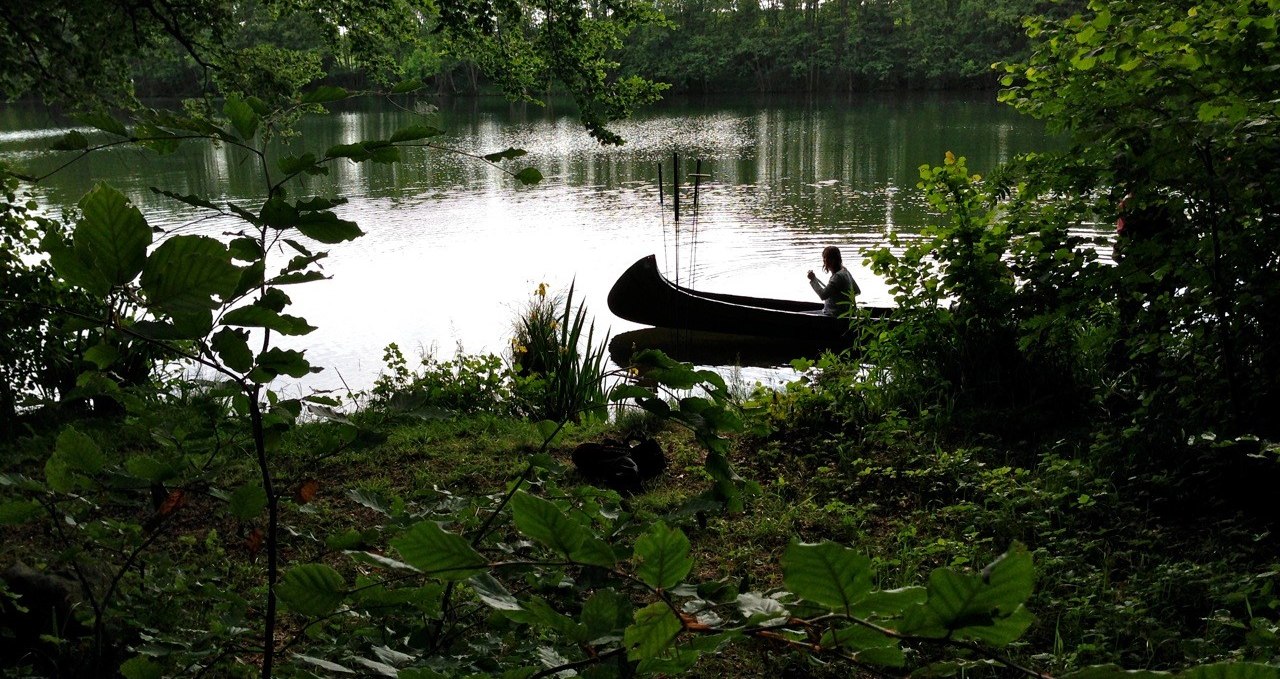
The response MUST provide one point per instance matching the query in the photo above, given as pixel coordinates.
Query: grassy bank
(1125, 571)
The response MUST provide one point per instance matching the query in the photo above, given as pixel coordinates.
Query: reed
(559, 361)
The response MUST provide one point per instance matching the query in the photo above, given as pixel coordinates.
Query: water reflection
(455, 247)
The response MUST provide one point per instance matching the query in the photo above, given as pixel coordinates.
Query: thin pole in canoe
(675, 200)
(662, 204)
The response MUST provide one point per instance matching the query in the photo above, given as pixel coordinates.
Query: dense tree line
(835, 46)
(700, 46)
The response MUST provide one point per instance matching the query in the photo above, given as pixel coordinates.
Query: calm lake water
(454, 248)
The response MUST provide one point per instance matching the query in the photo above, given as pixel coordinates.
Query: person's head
(831, 259)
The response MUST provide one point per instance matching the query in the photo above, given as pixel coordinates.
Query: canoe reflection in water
(716, 348)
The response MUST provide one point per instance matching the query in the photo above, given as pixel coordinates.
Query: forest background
(1099, 432)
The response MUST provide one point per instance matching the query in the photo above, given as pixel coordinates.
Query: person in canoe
(840, 289)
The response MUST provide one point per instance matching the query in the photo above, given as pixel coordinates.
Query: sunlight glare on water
(455, 248)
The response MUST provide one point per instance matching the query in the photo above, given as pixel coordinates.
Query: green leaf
(284, 362)
(327, 228)
(510, 152)
(430, 549)
(248, 501)
(103, 122)
(255, 316)
(297, 164)
(71, 266)
(79, 452)
(889, 602)
(312, 589)
(17, 511)
(626, 391)
(414, 133)
(605, 612)
(385, 154)
(324, 664)
(537, 612)
(141, 667)
(544, 522)
(150, 469)
(1232, 670)
(654, 629)
(985, 606)
(101, 355)
(232, 347)
(356, 152)
(71, 141)
(112, 237)
(868, 645)
(529, 175)
(323, 94)
(596, 552)
(827, 573)
(156, 139)
(493, 594)
(278, 213)
(242, 117)
(663, 555)
(184, 274)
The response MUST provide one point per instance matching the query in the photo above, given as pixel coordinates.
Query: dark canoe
(643, 295)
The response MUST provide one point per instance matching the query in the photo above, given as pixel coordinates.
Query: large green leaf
(889, 602)
(325, 227)
(312, 589)
(79, 451)
(185, 272)
(232, 347)
(663, 555)
(430, 549)
(827, 573)
(866, 644)
(256, 316)
(414, 133)
(278, 361)
(103, 122)
(71, 141)
(986, 606)
(242, 117)
(544, 522)
(605, 612)
(654, 629)
(112, 237)
(493, 594)
(529, 175)
(71, 266)
(17, 511)
(296, 164)
(1229, 670)
(596, 552)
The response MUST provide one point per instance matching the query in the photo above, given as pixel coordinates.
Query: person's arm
(824, 291)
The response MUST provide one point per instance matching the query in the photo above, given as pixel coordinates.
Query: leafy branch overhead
(81, 54)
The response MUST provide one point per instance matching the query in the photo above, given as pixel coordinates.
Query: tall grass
(559, 361)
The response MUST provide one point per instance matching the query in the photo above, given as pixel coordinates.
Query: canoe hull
(643, 295)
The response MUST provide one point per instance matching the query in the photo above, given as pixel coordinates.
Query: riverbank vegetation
(1050, 462)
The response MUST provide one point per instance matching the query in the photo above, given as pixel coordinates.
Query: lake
(455, 248)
